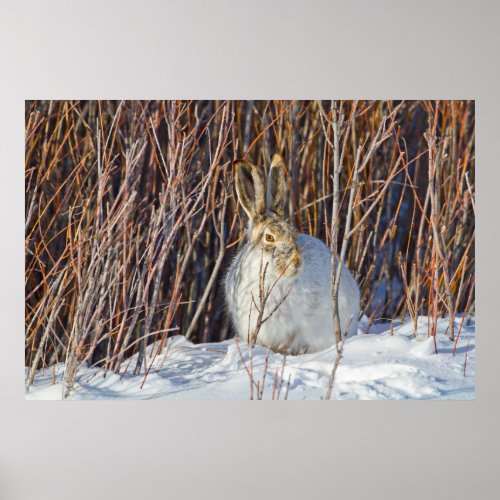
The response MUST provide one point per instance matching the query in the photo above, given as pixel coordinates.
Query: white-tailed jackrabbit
(278, 288)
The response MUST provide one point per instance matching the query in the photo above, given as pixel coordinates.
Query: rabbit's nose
(296, 260)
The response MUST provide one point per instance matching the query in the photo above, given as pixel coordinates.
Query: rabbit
(278, 287)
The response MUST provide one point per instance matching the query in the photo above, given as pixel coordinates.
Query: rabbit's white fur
(299, 306)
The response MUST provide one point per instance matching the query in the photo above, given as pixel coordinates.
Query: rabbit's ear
(276, 186)
(250, 189)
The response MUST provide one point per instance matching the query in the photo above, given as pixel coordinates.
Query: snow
(377, 365)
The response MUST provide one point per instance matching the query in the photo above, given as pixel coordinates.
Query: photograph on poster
(265, 249)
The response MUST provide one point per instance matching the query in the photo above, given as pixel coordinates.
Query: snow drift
(383, 364)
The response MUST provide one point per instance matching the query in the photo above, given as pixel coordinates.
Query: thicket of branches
(131, 217)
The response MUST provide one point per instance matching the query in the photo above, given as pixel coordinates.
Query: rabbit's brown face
(268, 229)
(278, 239)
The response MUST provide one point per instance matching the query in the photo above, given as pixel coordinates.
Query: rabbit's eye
(269, 237)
